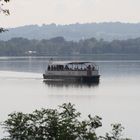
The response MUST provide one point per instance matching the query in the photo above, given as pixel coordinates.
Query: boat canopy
(72, 63)
(80, 63)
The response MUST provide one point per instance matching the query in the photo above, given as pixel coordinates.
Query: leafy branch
(4, 11)
(63, 123)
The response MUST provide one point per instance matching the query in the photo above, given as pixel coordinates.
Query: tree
(52, 124)
(115, 134)
(64, 123)
(4, 11)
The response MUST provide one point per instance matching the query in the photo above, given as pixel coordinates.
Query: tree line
(59, 46)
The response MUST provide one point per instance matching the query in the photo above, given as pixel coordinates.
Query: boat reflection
(55, 83)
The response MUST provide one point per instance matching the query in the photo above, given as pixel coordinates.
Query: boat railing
(66, 68)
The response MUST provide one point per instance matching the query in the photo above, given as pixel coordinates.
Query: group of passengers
(66, 68)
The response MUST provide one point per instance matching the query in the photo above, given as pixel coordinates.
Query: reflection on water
(61, 83)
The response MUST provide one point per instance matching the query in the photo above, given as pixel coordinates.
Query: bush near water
(64, 123)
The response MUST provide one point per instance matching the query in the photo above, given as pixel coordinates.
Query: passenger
(48, 67)
(51, 68)
(66, 67)
(57, 68)
(62, 67)
(54, 68)
(89, 67)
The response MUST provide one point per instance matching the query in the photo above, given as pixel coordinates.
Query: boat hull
(84, 79)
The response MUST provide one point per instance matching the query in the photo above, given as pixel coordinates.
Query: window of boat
(56, 67)
(72, 67)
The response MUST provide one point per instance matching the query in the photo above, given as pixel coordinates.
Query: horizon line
(67, 24)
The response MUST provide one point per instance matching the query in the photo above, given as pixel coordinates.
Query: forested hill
(59, 46)
(76, 32)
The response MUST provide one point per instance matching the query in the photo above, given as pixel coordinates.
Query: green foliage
(52, 124)
(4, 11)
(2, 30)
(115, 134)
(64, 123)
(6, 0)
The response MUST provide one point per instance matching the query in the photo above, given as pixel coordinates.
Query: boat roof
(79, 62)
(72, 63)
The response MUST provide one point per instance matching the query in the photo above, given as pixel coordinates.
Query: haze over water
(115, 99)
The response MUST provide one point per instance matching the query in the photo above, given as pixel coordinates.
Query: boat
(72, 71)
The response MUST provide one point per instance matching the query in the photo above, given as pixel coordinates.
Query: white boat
(72, 71)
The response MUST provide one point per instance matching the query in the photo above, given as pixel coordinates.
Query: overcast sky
(25, 12)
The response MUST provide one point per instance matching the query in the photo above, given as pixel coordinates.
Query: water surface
(115, 99)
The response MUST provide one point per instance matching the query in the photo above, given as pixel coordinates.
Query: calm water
(115, 99)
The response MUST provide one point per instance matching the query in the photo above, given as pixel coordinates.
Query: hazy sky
(25, 12)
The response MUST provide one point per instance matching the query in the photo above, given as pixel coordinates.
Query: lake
(116, 98)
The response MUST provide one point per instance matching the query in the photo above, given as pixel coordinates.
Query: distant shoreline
(93, 57)
(58, 46)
